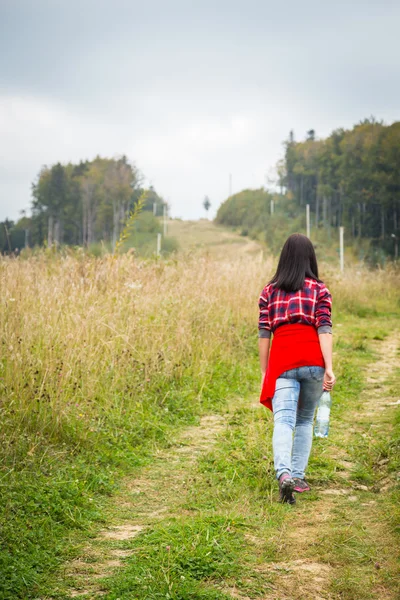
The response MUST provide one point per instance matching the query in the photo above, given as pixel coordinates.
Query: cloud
(185, 158)
(191, 92)
(36, 132)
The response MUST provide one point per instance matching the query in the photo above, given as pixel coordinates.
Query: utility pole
(165, 219)
(308, 219)
(396, 246)
(341, 248)
(158, 244)
(272, 207)
(154, 208)
(8, 238)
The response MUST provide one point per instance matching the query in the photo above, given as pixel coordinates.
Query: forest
(81, 205)
(351, 178)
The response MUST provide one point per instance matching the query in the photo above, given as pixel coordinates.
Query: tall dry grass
(82, 335)
(364, 292)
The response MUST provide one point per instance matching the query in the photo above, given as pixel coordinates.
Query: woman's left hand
(329, 380)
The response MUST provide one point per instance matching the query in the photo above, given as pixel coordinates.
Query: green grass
(229, 531)
(362, 534)
(62, 465)
(177, 560)
(52, 495)
(233, 490)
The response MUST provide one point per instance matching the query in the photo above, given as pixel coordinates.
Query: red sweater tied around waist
(293, 346)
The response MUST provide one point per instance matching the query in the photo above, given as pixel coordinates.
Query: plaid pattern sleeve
(311, 305)
(264, 327)
(323, 310)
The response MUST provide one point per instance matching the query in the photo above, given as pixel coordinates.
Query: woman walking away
(295, 306)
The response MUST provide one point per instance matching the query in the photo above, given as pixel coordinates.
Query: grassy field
(135, 459)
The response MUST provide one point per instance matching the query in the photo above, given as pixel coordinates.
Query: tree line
(80, 204)
(351, 178)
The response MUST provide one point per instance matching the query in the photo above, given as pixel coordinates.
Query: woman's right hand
(329, 380)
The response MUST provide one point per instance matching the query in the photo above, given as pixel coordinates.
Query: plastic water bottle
(323, 413)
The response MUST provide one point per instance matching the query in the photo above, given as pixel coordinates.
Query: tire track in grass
(157, 492)
(339, 543)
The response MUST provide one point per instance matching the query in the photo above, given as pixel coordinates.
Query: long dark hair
(296, 262)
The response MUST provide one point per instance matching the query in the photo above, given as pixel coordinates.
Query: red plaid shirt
(311, 305)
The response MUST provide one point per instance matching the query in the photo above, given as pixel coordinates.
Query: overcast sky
(189, 91)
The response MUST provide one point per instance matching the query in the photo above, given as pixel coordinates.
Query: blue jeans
(296, 396)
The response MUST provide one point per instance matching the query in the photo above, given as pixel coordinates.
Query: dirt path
(206, 236)
(315, 536)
